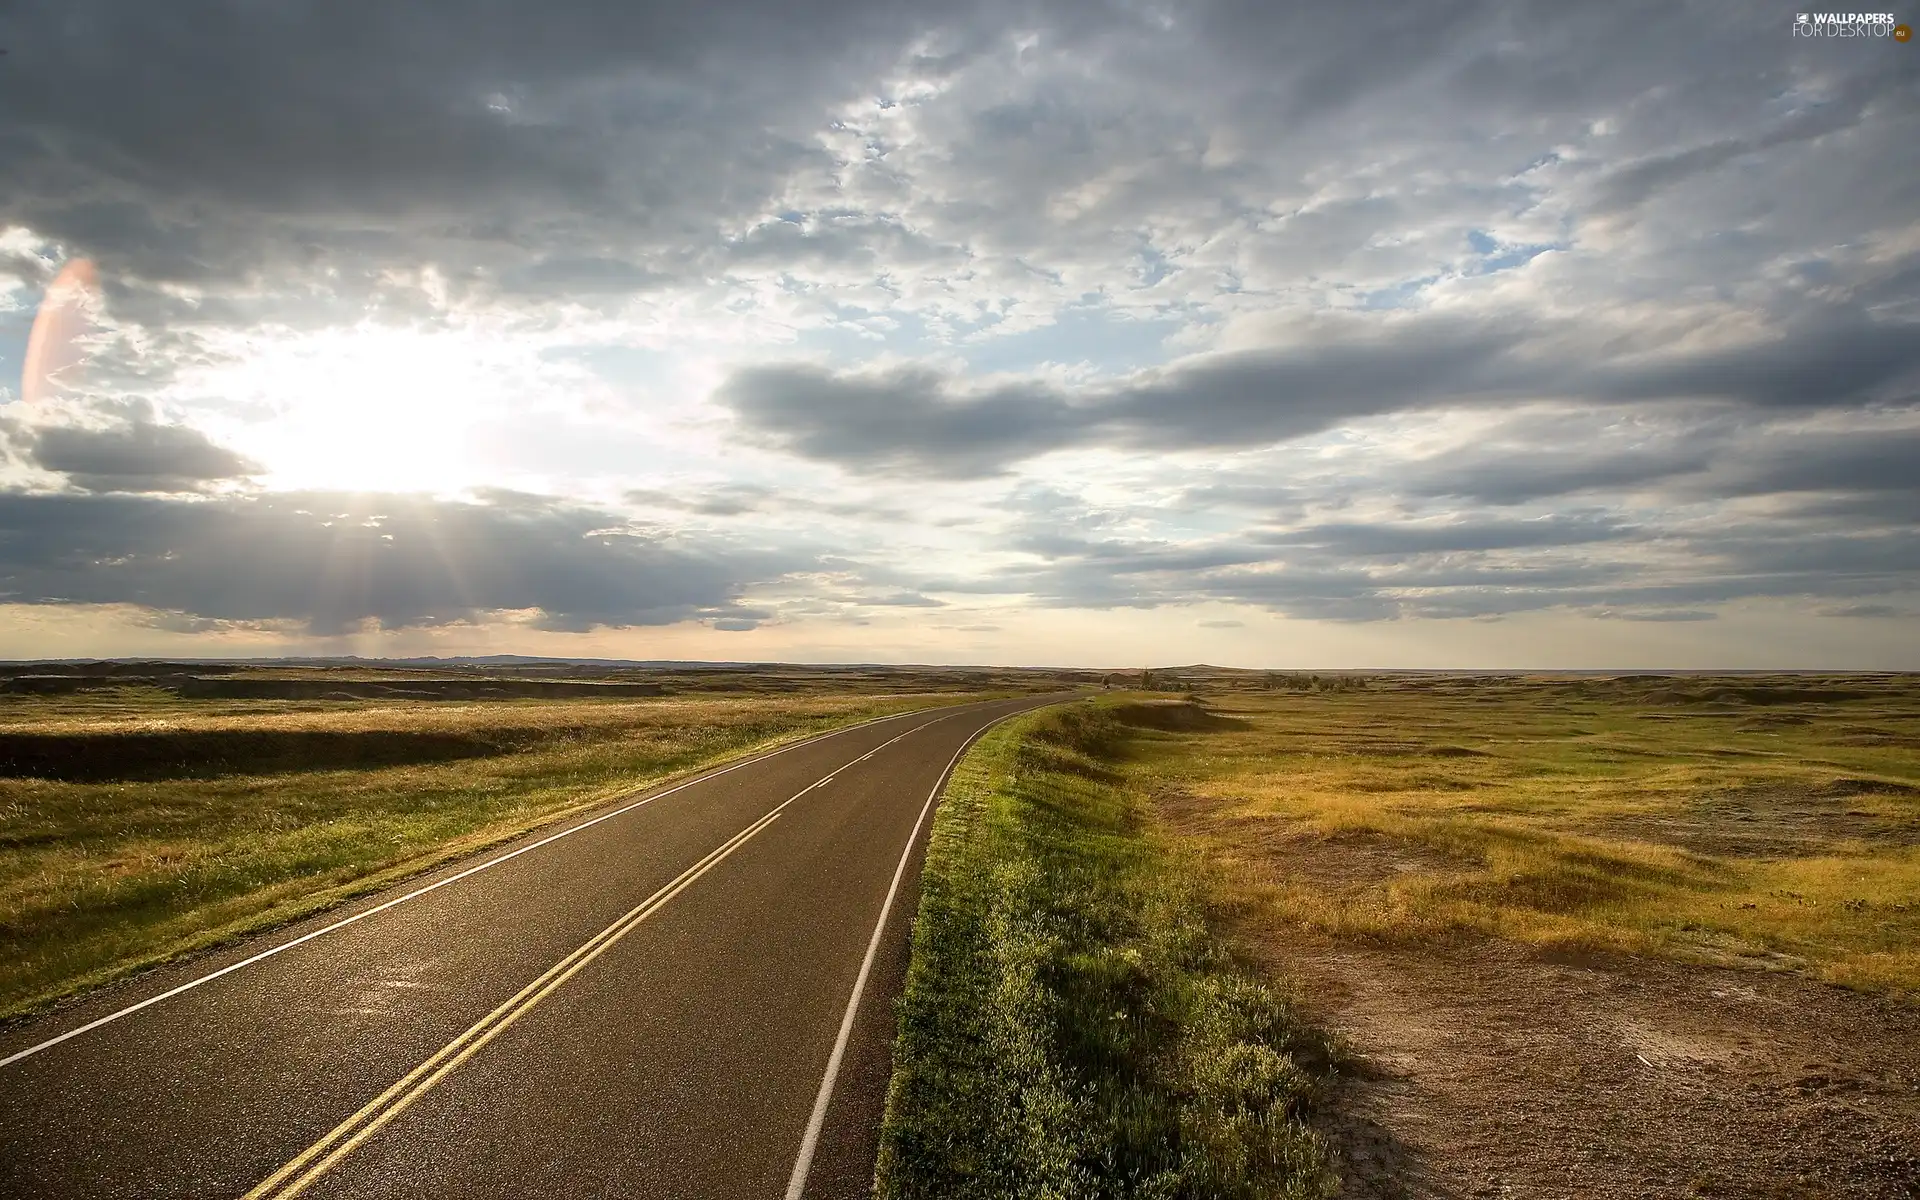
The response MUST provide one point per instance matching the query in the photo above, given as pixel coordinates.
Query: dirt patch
(1869, 735)
(1339, 864)
(1772, 721)
(1770, 822)
(1377, 748)
(1867, 787)
(1383, 748)
(1753, 695)
(1487, 1069)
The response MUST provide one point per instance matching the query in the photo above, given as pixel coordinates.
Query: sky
(1103, 334)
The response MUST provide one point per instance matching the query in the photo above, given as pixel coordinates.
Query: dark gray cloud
(131, 454)
(1868, 611)
(1887, 556)
(899, 421)
(581, 276)
(1825, 359)
(1121, 556)
(900, 600)
(1516, 478)
(1322, 585)
(1859, 509)
(592, 145)
(196, 143)
(1656, 564)
(725, 500)
(1626, 187)
(1858, 460)
(329, 561)
(1372, 540)
(751, 499)
(920, 421)
(1866, 474)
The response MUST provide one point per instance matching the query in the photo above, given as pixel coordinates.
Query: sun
(362, 409)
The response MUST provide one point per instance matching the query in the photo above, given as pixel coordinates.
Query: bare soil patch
(1488, 1069)
(1339, 864)
(1771, 821)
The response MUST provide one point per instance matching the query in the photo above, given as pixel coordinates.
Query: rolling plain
(1205, 933)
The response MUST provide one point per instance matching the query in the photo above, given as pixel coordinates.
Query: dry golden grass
(135, 826)
(1769, 822)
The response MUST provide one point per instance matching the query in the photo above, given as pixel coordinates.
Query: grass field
(135, 825)
(1070, 1027)
(1768, 822)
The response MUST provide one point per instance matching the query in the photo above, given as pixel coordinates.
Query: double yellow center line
(316, 1160)
(300, 1174)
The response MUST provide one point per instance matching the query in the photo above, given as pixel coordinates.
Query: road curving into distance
(686, 994)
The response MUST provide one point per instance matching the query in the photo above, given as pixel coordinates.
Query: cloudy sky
(1434, 334)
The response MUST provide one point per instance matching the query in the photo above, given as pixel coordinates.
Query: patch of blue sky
(1100, 338)
(628, 365)
(15, 325)
(1496, 255)
(1089, 335)
(859, 334)
(1154, 266)
(1400, 295)
(1817, 272)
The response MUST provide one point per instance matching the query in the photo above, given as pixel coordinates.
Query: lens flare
(66, 315)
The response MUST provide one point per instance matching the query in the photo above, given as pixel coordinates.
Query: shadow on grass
(1180, 716)
(194, 754)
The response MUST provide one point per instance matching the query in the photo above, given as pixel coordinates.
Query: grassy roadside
(135, 828)
(1070, 1028)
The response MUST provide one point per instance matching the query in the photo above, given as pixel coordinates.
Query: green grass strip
(1070, 1027)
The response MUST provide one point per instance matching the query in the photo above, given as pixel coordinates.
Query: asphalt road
(646, 1005)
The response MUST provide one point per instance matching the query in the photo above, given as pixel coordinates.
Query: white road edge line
(210, 976)
(797, 1182)
(376, 1113)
